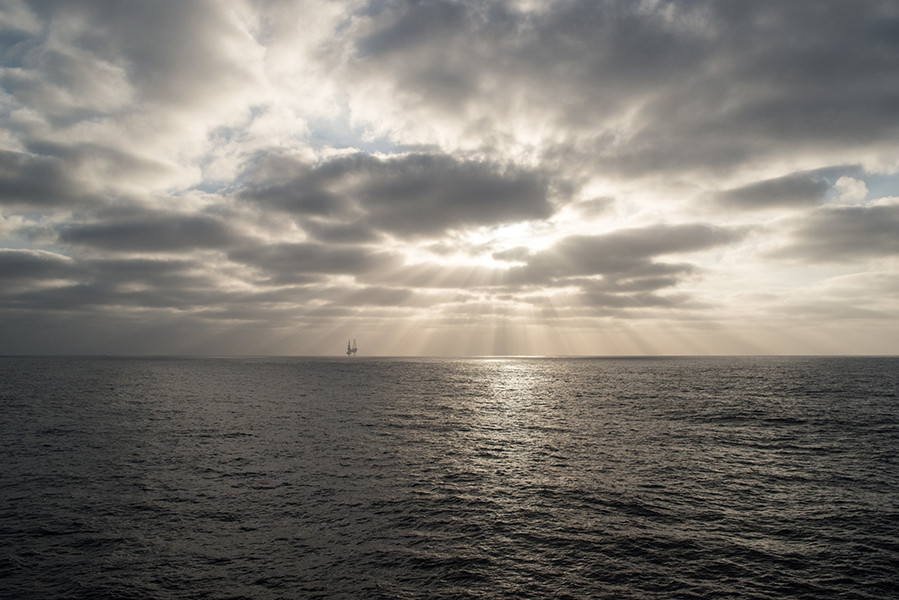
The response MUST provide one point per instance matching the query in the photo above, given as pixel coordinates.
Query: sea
(482, 478)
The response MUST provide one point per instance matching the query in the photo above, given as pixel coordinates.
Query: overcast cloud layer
(449, 177)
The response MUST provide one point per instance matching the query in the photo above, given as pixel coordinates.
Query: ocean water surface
(449, 478)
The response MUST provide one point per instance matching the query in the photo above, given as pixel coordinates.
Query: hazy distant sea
(481, 478)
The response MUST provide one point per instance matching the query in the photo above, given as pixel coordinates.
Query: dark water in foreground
(507, 478)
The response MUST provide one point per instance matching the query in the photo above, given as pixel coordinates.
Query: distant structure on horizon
(351, 349)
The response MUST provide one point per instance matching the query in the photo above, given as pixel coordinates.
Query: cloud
(635, 87)
(70, 176)
(795, 189)
(423, 194)
(375, 296)
(413, 195)
(307, 261)
(516, 254)
(354, 232)
(42, 287)
(115, 90)
(151, 232)
(100, 57)
(263, 175)
(850, 191)
(627, 252)
(34, 265)
(845, 234)
(620, 270)
(34, 181)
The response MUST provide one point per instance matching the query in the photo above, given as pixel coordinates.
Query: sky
(449, 177)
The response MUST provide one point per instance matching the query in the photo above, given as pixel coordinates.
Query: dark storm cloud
(150, 271)
(35, 281)
(135, 289)
(37, 182)
(797, 189)
(340, 233)
(151, 232)
(34, 265)
(183, 282)
(845, 234)
(413, 195)
(289, 184)
(412, 24)
(422, 194)
(80, 296)
(39, 265)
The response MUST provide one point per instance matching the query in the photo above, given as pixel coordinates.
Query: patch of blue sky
(878, 185)
(833, 174)
(21, 237)
(15, 243)
(340, 134)
(882, 185)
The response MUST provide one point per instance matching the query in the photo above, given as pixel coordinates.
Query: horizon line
(445, 356)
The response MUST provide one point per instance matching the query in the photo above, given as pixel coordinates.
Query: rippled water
(482, 478)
